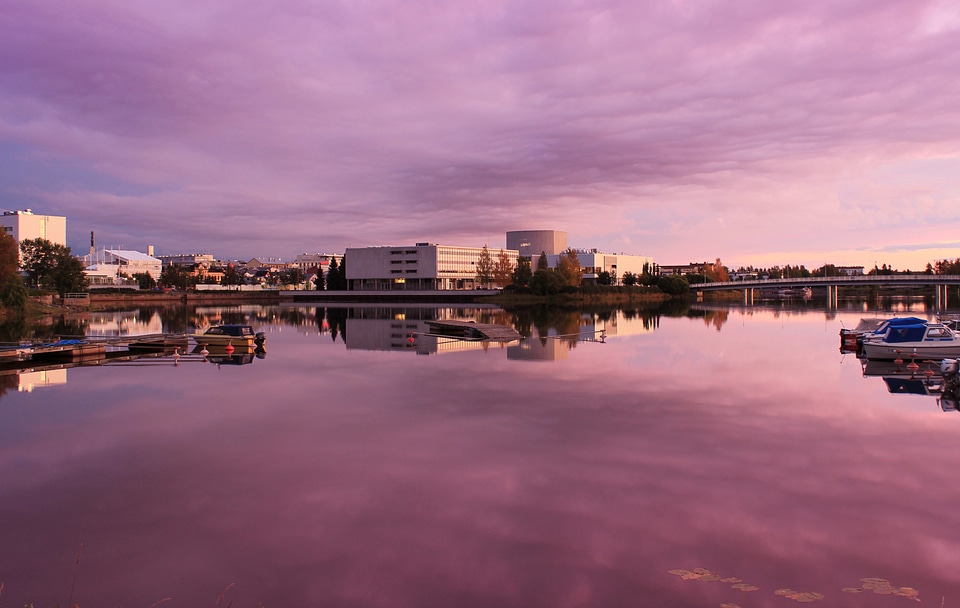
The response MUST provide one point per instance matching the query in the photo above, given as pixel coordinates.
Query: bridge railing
(893, 279)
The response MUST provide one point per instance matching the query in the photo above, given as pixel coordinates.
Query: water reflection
(674, 465)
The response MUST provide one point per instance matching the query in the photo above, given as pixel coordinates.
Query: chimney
(150, 250)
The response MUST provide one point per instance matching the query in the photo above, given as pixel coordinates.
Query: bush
(13, 294)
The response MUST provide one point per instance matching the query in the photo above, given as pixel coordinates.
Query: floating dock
(470, 330)
(89, 350)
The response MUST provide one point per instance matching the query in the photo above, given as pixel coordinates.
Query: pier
(88, 350)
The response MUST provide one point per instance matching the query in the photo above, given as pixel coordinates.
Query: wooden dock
(471, 330)
(89, 349)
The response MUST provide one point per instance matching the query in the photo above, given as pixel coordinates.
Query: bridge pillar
(833, 296)
(942, 291)
(748, 296)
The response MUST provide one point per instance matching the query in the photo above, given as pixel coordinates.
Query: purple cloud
(750, 131)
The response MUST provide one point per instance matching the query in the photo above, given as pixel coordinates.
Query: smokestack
(150, 250)
(93, 249)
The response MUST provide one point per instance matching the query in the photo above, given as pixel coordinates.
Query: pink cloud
(759, 128)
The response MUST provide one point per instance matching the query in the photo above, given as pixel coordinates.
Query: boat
(916, 342)
(884, 327)
(234, 334)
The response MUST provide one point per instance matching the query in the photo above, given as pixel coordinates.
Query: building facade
(23, 225)
(593, 262)
(424, 266)
(531, 243)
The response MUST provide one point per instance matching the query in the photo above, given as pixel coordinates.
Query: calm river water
(715, 458)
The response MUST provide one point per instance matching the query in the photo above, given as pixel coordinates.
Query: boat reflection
(221, 354)
(917, 378)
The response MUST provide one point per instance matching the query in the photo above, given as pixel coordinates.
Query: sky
(754, 131)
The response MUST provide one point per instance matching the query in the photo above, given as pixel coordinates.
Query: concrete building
(421, 266)
(593, 262)
(23, 225)
(531, 243)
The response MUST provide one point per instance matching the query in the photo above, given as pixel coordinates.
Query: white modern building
(593, 262)
(420, 266)
(114, 262)
(23, 225)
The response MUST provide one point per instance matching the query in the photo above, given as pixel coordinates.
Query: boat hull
(938, 350)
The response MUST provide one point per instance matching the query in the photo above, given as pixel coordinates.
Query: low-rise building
(421, 266)
(112, 263)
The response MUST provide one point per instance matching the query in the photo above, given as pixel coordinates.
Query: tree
(629, 278)
(502, 270)
(522, 273)
(673, 285)
(292, 276)
(231, 276)
(318, 281)
(604, 278)
(542, 263)
(546, 282)
(175, 276)
(568, 268)
(144, 280)
(9, 256)
(12, 292)
(68, 275)
(52, 266)
(716, 272)
(484, 268)
(337, 275)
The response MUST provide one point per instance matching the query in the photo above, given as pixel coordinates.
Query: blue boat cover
(906, 333)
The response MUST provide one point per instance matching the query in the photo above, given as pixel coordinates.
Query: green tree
(68, 275)
(175, 276)
(522, 273)
(629, 278)
(13, 294)
(9, 255)
(546, 282)
(333, 274)
(318, 281)
(604, 278)
(337, 275)
(52, 266)
(292, 276)
(673, 285)
(144, 280)
(542, 263)
(484, 268)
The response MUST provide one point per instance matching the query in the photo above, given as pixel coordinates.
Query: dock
(89, 350)
(471, 330)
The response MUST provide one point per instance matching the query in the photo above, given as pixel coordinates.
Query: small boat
(234, 334)
(934, 341)
(884, 327)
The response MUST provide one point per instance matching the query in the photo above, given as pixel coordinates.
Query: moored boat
(915, 342)
(234, 334)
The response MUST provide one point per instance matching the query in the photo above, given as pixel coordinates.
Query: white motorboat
(920, 341)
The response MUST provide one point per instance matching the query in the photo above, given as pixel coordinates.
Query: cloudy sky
(757, 131)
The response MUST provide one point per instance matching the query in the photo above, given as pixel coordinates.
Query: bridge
(941, 283)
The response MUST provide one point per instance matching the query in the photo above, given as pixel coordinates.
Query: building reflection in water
(549, 334)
